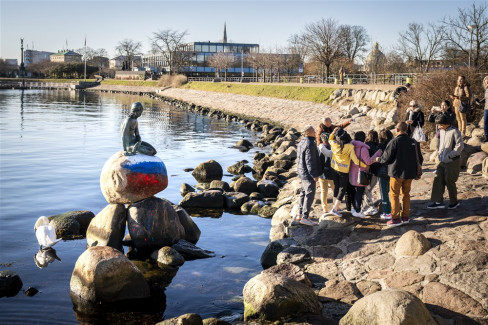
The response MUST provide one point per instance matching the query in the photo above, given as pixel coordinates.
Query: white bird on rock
(45, 233)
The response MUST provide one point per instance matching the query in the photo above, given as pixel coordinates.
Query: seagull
(46, 234)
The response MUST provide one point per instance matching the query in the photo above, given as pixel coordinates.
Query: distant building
(66, 57)
(121, 63)
(198, 54)
(33, 56)
(12, 62)
(130, 75)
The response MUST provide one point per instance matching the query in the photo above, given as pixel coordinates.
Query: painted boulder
(128, 179)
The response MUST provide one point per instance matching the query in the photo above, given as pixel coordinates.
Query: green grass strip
(309, 94)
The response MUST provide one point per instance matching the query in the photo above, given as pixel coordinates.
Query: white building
(33, 56)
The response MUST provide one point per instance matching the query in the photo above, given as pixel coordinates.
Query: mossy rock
(267, 211)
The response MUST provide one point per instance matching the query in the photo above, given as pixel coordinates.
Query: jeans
(307, 195)
(485, 116)
(324, 190)
(400, 186)
(368, 193)
(384, 191)
(446, 176)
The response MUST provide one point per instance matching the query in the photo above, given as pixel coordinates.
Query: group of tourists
(352, 166)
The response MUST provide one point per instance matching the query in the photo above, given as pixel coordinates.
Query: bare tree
(421, 45)
(221, 61)
(323, 40)
(129, 49)
(353, 40)
(169, 43)
(468, 33)
(297, 46)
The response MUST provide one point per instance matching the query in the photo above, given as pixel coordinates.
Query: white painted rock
(128, 179)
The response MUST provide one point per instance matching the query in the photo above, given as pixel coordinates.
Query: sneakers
(394, 223)
(405, 219)
(453, 206)
(371, 211)
(335, 212)
(357, 214)
(307, 222)
(385, 216)
(436, 205)
(295, 222)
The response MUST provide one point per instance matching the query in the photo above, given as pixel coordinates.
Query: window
(213, 48)
(198, 48)
(205, 48)
(220, 48)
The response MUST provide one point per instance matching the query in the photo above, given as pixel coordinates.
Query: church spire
(224, 39)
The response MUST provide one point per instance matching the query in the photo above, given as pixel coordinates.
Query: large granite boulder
(211, 199)
(484, 147)
(291, 271)
(128, 179)
(108, 227)
(468, 150)
(388, 307)
(103, 274)
(484, 168)
(412, 243)
(234, 200)
(208, 171)
(192, 232)
(10, 283)
(72, 224)
(268, 188)
(245, 185)
(475, 162)
(273, 297)
(270, 254)
(154, 223)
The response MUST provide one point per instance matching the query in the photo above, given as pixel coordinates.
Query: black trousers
(341, 180)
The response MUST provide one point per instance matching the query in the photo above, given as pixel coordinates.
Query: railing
(383, 79)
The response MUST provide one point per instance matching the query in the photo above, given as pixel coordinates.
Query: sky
(49, 25)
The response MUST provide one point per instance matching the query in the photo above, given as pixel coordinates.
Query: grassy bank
(310, 94)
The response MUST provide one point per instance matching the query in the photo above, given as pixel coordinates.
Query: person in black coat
(402, 155)
(309, 169)
(444, 109)
(415, 117)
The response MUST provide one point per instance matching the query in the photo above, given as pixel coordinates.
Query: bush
(172, 80)
(432, 88)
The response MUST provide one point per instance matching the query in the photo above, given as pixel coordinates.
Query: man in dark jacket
(402, 155)
(308, 165)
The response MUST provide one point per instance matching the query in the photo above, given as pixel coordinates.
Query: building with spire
(200, 52)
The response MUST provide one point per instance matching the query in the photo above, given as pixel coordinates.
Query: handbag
(464, 107)
(418, 134)
(364, 177)
(419, 166)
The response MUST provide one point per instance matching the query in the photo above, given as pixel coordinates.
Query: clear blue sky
(49, 24)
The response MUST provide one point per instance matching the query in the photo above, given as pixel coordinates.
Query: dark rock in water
(259, 155)
(267, 211)
(154, 223)
(190, 251)
(234, 200)
(211, 199)
(208, 171)
(71, 225)
(244, 143)
(108, 227)
(256, 196)
(158, 276)
(168, 256)
(219, 185)
(268, 188)
(103, 274)
(268, 258)
(31, 291)
(188, 170)
(239, 168)
(10, 283)
(245, 185)
(186, 319)
(291, 271)
(192, 232)
(294, 255)
(185, 189)
(251, 207)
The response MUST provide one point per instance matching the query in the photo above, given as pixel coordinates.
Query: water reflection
(45, 256)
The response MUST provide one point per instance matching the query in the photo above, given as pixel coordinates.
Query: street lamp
(471, 28)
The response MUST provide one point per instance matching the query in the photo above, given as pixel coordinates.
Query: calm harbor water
(53, 145)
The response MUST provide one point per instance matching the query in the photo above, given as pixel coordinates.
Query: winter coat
(325, 155)
(362, 152)
(323, 131)
(382, 169)
(417, 117)
(341, 159)
(450, 144)
(401, 157)
(450, 114)
(464, 94)
(308, 163)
